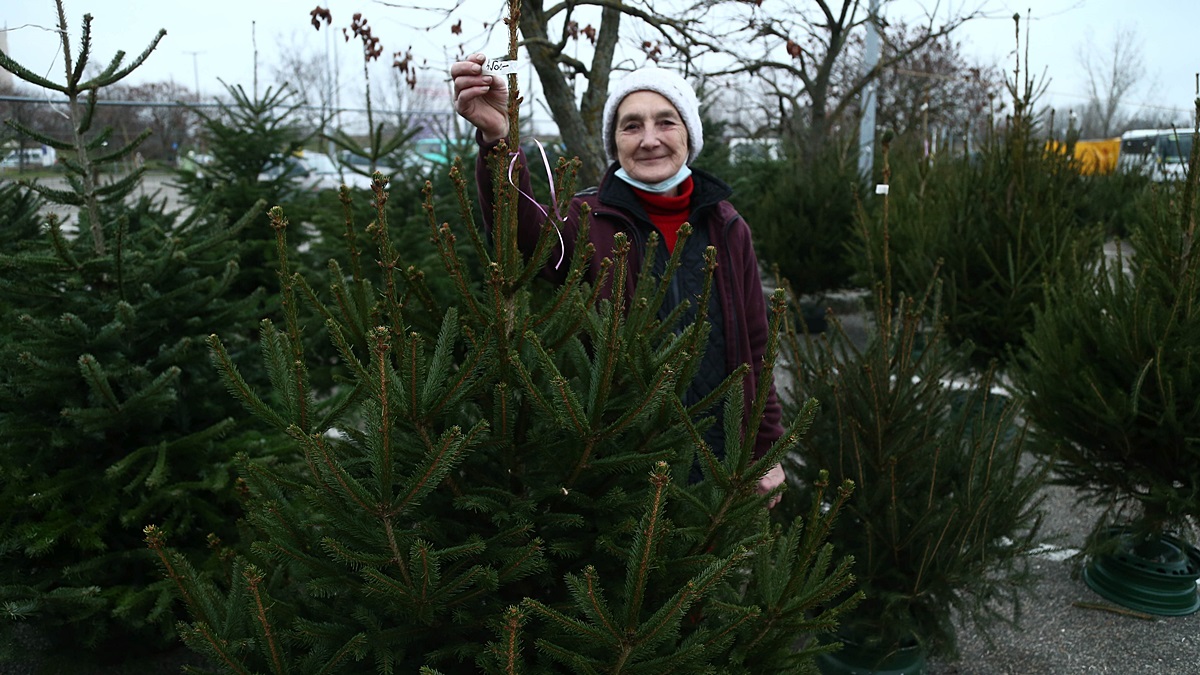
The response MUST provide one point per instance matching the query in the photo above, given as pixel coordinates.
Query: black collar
(707, 191)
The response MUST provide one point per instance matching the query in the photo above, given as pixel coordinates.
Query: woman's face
(652, 141)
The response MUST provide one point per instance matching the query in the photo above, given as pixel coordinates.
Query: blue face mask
(657, 188)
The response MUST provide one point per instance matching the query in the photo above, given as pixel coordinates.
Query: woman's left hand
(772, 479)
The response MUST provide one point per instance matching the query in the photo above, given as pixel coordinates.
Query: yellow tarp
(1094, 157)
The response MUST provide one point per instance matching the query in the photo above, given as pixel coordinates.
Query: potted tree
(1112, 373)
(944, 513)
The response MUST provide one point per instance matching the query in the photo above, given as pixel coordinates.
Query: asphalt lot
(159, 184)
(1065, 628)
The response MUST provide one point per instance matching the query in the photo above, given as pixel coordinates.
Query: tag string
(512, 163)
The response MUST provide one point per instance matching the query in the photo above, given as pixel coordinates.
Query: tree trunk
(579, 125)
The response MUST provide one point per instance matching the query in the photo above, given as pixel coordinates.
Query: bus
(1161, 153)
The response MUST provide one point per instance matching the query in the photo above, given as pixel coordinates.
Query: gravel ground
(1058, 636)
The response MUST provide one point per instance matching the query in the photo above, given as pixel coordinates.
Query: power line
(184, 104)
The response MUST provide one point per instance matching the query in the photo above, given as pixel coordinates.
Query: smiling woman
(652, 142)
(651, 132)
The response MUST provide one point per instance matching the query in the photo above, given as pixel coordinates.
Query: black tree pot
(855, 658)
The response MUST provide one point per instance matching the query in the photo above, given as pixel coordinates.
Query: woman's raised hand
(480, 98)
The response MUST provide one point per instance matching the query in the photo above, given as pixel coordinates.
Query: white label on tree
(501, 67)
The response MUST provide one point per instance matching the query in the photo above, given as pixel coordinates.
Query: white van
(42, 156)
(1162, 153)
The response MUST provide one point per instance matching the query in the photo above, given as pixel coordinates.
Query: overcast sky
(215, 38)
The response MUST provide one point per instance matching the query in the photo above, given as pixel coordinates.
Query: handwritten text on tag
(498, 67)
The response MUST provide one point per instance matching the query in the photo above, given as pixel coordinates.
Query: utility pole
(6, 78)
(866, 127)
(195, 71)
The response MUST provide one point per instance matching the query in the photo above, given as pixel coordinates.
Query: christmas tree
(945, 513)
(110, 414)
(1112, 377)
(995, 223)
(500, 484)
(249, 136)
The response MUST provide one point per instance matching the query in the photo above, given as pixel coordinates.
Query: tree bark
(579, 125)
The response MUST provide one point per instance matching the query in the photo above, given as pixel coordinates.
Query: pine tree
(249, 138)
(499, 486)
(111, 415)
(803, 210)
(945, 511)
(19, 212)
(995, 225)
(379, 150)
(1113, 378)
(475, 478)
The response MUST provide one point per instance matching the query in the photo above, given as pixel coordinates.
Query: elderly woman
(652, 132)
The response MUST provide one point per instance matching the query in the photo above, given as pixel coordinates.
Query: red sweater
(668, 213)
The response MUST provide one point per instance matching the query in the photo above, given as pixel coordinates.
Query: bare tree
(22, 111)
(935, 87)
(810, 57)
(1112, 74)
(798, 52)
(311, 75)
(552, 31)
(680, 35)
(172, 125)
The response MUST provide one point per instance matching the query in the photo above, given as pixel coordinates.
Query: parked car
(433, 154)
(437, 154)
(754, 149)
(42, 156)
(360, 165)
(195, 162)
(315, 171)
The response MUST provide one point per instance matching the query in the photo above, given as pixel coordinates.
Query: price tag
(501, 67)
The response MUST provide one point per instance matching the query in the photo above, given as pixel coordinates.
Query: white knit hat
(661, 81)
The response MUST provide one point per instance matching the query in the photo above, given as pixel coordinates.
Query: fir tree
(803, 209)
(389, 149)
(19, 209)
(249, 138)
(1113, 378)
(995, 225)
(380, 150)
(945, 512)
(110, 415)
(495, 486)
(478, 487)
